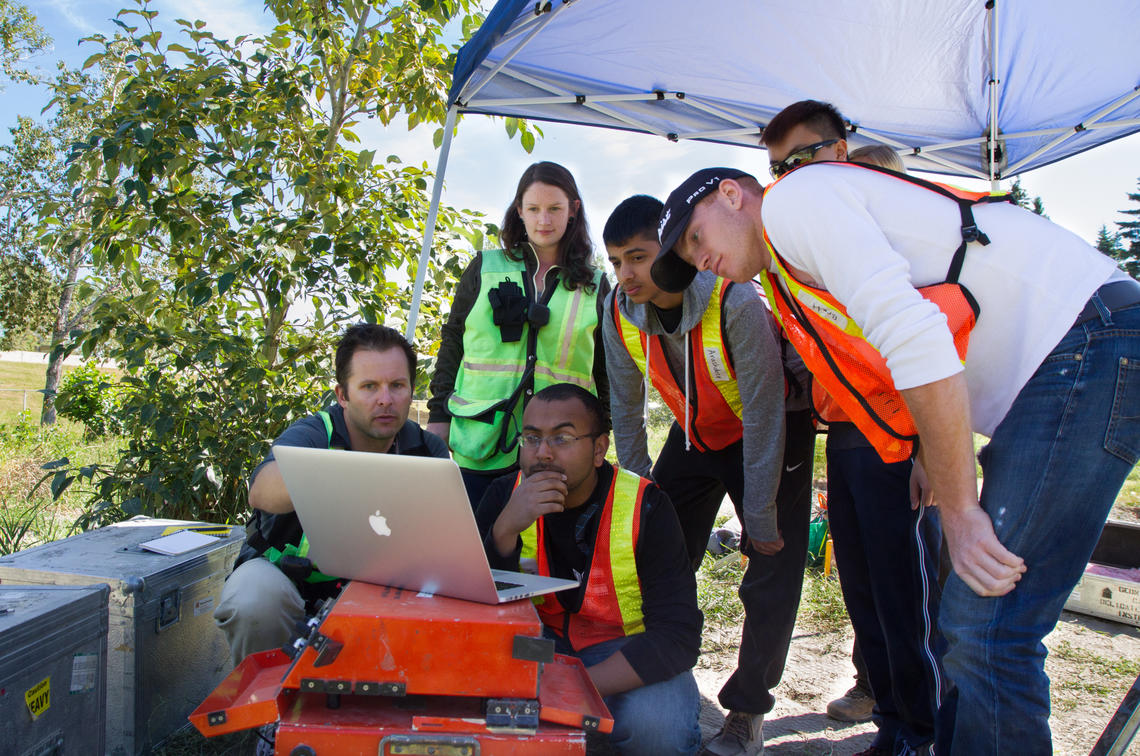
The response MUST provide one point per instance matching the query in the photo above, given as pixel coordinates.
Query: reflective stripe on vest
(845, 365)
(611, 606)
(487, 402)
(715, 412)
(274, 555)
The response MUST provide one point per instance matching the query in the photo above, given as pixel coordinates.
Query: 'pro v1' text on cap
(669, 271)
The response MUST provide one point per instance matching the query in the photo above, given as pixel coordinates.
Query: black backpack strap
(253, 535)
(970, 233)
(295, 568)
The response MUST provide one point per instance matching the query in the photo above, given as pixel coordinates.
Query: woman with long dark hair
(523, 317)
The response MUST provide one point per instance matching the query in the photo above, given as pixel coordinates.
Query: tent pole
(429, 227)
(1089, 123)
(550, 16)
(992, 6)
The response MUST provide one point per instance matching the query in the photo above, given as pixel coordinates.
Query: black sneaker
(266, 740)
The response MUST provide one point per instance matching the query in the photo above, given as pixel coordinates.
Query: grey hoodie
(759, 376)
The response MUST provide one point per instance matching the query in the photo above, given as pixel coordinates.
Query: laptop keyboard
(502, 585)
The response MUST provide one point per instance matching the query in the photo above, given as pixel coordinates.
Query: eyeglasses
(799, 157)
(533, 440)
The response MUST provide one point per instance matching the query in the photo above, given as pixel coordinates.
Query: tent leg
(991, 6)
(429, 226)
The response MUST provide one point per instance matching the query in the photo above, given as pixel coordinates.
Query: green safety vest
(274, 555)
(496, 378)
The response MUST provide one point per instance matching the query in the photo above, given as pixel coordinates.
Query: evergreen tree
(1110, 244)
(1130, 229)
(1107, 242)
(1021, 198)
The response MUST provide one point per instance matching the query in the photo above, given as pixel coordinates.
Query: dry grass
(28, 514)
(1100, 677)
(18, 476)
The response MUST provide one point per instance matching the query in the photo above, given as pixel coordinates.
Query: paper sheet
(177, 543)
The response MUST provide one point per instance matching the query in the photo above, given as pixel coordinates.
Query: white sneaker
(741, 735)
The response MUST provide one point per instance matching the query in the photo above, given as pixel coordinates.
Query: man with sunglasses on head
(886, 549)
(633, 620)
(1049, 377)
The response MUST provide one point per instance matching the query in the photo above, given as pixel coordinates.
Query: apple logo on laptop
(379, 524)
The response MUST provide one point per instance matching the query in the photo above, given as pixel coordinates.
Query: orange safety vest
(845, 365)
(715, 408)
(826, 407)
(611, 605)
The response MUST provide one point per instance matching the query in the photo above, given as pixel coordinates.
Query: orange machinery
(389, 671)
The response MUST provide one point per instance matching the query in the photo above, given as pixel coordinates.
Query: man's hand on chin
(538, 494)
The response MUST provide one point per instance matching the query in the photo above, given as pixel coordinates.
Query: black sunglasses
(798, 158)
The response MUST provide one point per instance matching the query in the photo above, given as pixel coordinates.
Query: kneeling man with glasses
(633, 621)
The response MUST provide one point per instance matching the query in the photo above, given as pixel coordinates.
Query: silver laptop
(397, 520)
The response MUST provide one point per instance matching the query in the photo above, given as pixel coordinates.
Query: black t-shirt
(672, 637)
(669, 319)
(266, 530)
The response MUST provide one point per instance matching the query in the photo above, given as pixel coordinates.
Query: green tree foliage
(1021, 198)
(1110, 244)
(227, 195)
(25, 282)
(28, 289)
(41, 248)
(1130, 229)
(1106, 241)
(21, 37)
(89, 397)
(1125, 243)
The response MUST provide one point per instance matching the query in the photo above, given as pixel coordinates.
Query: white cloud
(227, 19)
(84, 17)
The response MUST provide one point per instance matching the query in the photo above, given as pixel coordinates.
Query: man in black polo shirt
(274, 582)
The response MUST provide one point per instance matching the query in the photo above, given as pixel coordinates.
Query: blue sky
(1080, 193)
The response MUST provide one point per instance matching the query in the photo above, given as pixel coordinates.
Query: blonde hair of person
(878, 154)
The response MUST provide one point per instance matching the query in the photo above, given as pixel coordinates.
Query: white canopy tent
(934, 79)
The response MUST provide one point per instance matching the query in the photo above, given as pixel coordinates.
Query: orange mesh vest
(715, 408)
(844, 364)
(825, 406)
(611, 605)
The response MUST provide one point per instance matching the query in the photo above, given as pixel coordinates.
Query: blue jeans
(1051, 473)
(656, 719)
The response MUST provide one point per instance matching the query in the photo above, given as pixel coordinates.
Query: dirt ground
(819, 669)
(1092, 663)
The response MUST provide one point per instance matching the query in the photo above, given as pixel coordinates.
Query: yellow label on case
(221, 531)
(38, 697)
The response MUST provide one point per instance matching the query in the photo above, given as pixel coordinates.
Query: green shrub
(87, 397)
(28, 524)
(24, 431)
